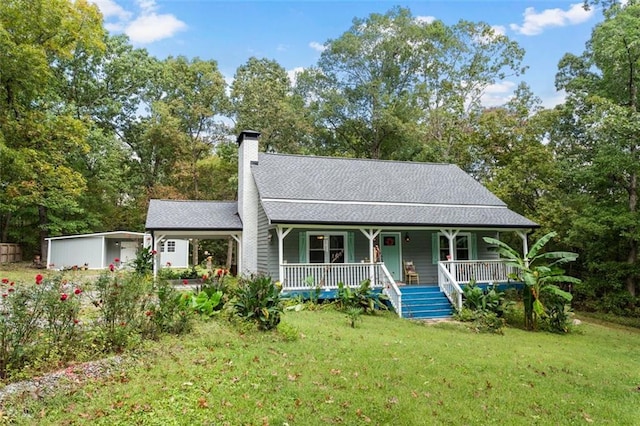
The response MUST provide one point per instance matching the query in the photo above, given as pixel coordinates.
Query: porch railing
(482, 271)
(449, 286)
(306, 276)
(391, 289)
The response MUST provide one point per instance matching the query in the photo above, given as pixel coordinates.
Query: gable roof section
(193, 215)
(307, 189)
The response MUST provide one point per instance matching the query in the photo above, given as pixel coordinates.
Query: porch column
(525, 244)
(371, 235)
(451, 236)
(281, 232)
(156, 257)
(238, 240)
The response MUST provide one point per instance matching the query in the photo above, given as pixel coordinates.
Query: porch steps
(425, 302)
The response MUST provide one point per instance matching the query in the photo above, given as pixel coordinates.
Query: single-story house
(99, 250)
(312, 222)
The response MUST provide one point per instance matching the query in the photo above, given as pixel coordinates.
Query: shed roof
(193, 215)
(110, 234)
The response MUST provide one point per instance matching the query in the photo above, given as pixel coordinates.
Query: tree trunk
(632, 258)
(4, 234)
(44, 233)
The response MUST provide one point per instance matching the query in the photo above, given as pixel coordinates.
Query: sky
(293, 32)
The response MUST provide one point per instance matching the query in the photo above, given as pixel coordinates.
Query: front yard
(317, 370)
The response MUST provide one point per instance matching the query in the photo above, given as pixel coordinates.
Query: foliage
(206, 302)
(169, 314)
(362, 297)
(333, 374)
(354, 314)
(539, 272)
(38, 323)
(484, 307)
(257, 300)
(122, 301)
(143, 263)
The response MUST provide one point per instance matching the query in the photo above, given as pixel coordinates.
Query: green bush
(169, 314)
(485, 308)
(143, 263)
(362, 297)
(122, 301)
(258, 300)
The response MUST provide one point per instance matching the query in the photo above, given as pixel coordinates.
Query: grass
(24, 272)
(318, 370)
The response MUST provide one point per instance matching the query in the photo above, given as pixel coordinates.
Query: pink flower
(76, 321)
(117, 260)
(77, 291)
(185, 282)
(154, 252)
(5, 280)
(39, 279)
(205, 276)
(111, 267)
(63, 296)
(5, 295)
(11, 290)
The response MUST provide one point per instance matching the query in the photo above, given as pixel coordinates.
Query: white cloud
(111, 9)
(534, 23)
(293, 74)
(147, 27)
(152, 27)
(319, 47)
(425, 19)
(497, 94)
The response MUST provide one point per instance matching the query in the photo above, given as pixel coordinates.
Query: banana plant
(539, 271)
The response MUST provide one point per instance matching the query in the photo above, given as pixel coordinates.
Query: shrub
(143, 263)
(362, 297)
(258, 300)
(169, 314)
(122, 301)
(485, 308)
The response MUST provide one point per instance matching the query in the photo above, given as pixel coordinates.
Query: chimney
(248, 199)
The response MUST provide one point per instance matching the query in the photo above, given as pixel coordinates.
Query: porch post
(156, 257)
(371, 235)
(451, 236)
(238, 240)
(281, 232)
(525, 244)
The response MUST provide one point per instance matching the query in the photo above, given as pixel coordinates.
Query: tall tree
(39, 187)
(600, 141)
(263, 99)
(394, 86)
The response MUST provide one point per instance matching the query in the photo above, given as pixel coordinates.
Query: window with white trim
(327, 247)
(171, 246)
(462, 246)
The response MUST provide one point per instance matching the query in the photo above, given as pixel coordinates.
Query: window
(162, 247)
(171, 246)
(327, 248)
(462, 247)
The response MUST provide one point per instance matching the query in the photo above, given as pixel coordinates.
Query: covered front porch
(317, 259)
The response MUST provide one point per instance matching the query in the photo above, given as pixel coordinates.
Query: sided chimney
(248, 199)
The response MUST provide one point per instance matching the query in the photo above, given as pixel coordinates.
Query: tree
(39, 186)
(600, 141)
(262, 99)
(394, 86)
(540, 272)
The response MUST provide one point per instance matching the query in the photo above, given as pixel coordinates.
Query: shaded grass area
(605, 318)
(317, 370)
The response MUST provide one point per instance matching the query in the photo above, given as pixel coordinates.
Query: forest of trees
(91, 128)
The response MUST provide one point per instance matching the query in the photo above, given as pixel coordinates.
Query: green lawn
(386, 371)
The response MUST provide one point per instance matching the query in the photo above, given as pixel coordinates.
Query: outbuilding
(99, 250)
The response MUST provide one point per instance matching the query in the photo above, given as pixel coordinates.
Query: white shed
(98, 250)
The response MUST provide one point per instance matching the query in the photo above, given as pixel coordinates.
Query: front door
(390, 251)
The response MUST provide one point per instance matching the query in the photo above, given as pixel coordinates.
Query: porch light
(406, 237)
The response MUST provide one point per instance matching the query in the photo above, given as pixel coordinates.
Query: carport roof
(190, 215)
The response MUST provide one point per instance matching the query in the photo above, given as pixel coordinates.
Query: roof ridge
(374, 160)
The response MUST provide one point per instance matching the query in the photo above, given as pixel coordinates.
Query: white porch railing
(391, 289)
(449, 286)
(306, 276)
(482, 271)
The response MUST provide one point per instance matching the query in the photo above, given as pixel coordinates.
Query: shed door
(128, 250)
(390, 251)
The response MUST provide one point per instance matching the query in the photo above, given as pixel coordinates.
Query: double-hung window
(327, 247)
(462, 247)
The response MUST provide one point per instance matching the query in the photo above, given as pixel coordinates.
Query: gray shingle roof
(196, 215)
(395, 215)
(357, 191)
(344, 179)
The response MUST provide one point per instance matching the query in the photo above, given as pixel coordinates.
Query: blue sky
(293, 32)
